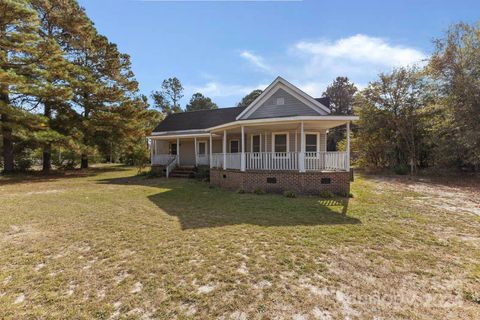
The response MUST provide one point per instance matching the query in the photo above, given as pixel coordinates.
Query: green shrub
(326, 194)
(202, 174)
(259, 190)
(289, 194)
(344, 194)
(241, 191)
(401, 169)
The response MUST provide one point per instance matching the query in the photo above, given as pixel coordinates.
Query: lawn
(107, 244)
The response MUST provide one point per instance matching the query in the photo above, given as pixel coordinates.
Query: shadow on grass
(196, 205)
(38, 176)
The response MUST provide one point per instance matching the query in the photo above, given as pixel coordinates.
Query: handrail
(171, 165)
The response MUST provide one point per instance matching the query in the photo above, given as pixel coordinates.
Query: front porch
(286, 146)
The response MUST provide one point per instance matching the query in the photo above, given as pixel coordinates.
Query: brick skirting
(279, 181)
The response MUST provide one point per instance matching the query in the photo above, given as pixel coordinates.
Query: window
(311, 142)
(280, 142)
(173, 148)
(202, 148)
(234, 146)
(256, 143)
(280, 101)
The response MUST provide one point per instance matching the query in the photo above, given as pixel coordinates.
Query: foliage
(326, 194)
(249, 98)
(202, 174)
(258, 191)
(455, 66)
(341, 94)
(200, 102)
(392, 111)
(289, 194)
(167, 99)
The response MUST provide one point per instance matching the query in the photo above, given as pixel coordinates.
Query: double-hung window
(280, 142)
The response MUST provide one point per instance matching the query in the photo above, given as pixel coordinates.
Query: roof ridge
(203, 110)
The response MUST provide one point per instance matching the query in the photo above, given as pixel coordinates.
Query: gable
(294, 102)
(291, 107)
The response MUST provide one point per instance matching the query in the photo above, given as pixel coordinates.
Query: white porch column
(178, 152)
(301, 156)
(242, 163)
(224, 149)
(151, 151)
(348, 146)
(196, 157)
(210, 157)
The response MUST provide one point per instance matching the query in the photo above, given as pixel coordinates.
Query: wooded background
(69, 97)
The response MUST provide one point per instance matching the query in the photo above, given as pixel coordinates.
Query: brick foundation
(279, 181)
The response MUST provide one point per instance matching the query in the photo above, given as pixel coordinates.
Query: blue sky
(225, 49)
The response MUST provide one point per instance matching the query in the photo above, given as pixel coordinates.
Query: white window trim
(318, 139)
(230, 145)
(198, 147)
(259, 141)
(278, 134)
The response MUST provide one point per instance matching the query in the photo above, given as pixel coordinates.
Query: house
(276, 143)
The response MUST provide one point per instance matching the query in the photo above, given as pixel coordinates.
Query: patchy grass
(108, 244)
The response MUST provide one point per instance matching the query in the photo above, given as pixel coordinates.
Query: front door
(173, 148)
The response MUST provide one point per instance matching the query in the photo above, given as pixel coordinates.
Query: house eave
(253, 122)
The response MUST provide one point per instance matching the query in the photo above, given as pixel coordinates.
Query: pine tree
(19, 53)
(64, 26)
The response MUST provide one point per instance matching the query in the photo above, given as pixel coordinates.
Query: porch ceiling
(284, 126)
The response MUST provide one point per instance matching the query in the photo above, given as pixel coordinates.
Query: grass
(107, 244)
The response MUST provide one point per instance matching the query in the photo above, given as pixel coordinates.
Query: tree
(167, 100)
(455, 66)
(341, 94)
(63, 27)
(249, 98)
(392, 110)
(200, 102)
(20, 50)
(106, 81)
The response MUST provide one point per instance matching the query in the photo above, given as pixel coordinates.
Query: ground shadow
(38, 176)
(197, 205)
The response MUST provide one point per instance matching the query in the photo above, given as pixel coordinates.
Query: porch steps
(182, 172)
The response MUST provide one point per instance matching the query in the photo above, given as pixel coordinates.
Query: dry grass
(107, 244)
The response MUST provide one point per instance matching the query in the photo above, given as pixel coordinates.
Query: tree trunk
(7, 153)
(84, 163)
(8, 163)
(47, 149)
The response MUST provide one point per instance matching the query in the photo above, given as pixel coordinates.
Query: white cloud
(313, 65)
(256, 60)
(218, 89)
(362, 49)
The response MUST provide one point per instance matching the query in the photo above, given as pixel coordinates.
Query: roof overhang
(328, 121)
(256, 122)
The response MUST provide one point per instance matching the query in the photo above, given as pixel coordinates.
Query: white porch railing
(234, 160)
(331, 161)
(314, 161)
(162, 159)
(203, 160)
(271, 161)
(217, 160)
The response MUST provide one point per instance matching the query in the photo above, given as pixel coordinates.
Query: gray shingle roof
(198, 119)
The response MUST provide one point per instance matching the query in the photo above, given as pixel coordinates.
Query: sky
(225, 49)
